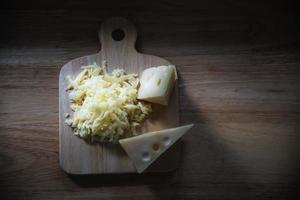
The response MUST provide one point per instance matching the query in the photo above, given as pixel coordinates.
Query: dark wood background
(239, 82)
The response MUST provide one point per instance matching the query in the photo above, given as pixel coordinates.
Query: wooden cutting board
(78, 157)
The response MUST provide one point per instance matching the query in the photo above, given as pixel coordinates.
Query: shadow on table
(212, 168)
(121, 179)
(207, 167)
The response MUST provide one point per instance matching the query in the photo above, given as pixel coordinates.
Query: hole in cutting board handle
(118, 34)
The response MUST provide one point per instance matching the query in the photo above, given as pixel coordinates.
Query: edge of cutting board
(78, 157)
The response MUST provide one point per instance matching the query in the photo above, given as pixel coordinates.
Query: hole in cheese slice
(140, 148)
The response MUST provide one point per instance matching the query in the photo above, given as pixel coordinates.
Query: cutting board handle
(117, 35)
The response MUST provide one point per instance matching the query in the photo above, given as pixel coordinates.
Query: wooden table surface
(238, 64)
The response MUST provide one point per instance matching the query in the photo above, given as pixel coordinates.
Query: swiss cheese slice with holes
(156, 84)
(146, 148)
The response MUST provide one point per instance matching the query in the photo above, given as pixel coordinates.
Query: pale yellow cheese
(146, 148)
(105, 106)
(156, 84)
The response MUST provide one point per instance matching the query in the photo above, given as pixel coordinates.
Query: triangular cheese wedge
(146, 148)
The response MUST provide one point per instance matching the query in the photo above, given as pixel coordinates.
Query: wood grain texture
(77, 156)
(239, 77)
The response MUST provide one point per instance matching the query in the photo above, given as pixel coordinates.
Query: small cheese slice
(146, 148)
(156, 84)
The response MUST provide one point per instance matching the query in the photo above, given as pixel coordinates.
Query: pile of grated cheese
(105, 106)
